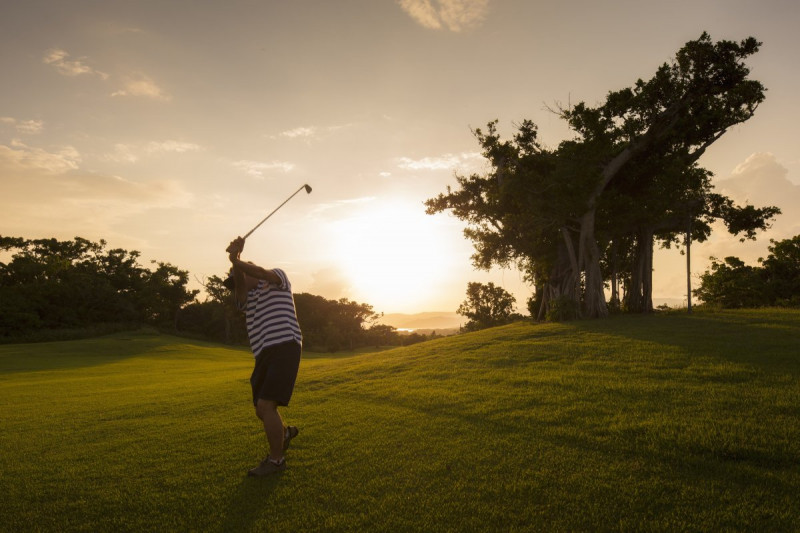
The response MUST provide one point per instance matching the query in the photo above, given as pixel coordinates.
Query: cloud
(20, 158)
(142, 85)
(299, 132)
(134, 85)
(113, 29)
(128, 153)
(312, 132)
(453, 15)
(172, 146)
(59, 59)
(123, 153)
(256, 169)
(45, 193)
(442, 162)
(29, 127)
(123, 196)
(760, 180)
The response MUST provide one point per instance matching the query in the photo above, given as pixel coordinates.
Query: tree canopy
(486, 306)
(68, 284)
(54, 285)
(586, 215)
(733, 284)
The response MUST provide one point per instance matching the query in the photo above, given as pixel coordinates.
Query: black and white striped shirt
(271, 316)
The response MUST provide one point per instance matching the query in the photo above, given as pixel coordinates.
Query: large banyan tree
(585, 216)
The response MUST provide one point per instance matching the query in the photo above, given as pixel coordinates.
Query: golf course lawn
(637, 423)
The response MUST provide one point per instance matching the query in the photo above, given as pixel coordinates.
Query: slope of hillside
(636, 423)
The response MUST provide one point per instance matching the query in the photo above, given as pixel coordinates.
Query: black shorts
(275, 373)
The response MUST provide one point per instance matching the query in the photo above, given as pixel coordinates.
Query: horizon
(172, 129)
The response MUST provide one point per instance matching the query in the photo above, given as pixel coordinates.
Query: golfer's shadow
(249, 502)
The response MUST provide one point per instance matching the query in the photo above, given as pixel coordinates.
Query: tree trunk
(689, 267)
(594, 298)
(639, 297)
(633, 294)
(564, 280)
(614, 281)
(589, 254)
(647, 275)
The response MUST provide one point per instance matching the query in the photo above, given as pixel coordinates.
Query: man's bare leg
(267, 411)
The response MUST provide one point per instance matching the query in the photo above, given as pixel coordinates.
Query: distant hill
(429, 320)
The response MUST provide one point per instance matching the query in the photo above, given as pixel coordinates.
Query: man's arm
(254, 271)
(240, 268)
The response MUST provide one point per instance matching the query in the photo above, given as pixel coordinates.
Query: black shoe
(290, 433)
(267, 467)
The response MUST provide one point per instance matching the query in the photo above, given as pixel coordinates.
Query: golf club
(308, 190)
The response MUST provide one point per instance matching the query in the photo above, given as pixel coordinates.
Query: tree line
(776, 282)
(53, 285)
(729, 284)
(585, 216)
(328, 325)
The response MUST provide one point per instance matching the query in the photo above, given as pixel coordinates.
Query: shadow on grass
(739, 465)
(770, 343)
(82, 353)
(249, 502)
(66, 355)
(344, 355)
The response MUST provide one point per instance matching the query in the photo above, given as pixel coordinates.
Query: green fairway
(643, 423)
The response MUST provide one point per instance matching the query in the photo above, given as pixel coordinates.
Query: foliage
(562, 309)
(327, 325)
(486, 306)
(732, 284)
(335, 325)
(586, 215)
(332, 325)
(214, 321)
(217, 318)
(51, 284)
(782, 272)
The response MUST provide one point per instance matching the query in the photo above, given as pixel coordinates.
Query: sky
(172, 127)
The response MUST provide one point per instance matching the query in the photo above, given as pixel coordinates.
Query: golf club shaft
(306, 187)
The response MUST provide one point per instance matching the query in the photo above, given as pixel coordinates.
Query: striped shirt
(271, 316)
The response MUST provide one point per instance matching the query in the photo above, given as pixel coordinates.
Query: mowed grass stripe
(635, 423)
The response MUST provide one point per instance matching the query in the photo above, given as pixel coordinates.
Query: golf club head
(308, 188)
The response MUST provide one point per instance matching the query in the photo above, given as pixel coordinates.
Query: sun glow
(395, 256)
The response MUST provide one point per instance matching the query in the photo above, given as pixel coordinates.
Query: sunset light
(396, 257)
(171, 128)
(487, 265)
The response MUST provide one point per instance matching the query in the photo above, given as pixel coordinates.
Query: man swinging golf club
(276, 341)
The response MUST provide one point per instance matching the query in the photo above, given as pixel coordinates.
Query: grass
(657, 423)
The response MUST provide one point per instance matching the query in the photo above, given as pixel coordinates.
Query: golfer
(266, 298)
